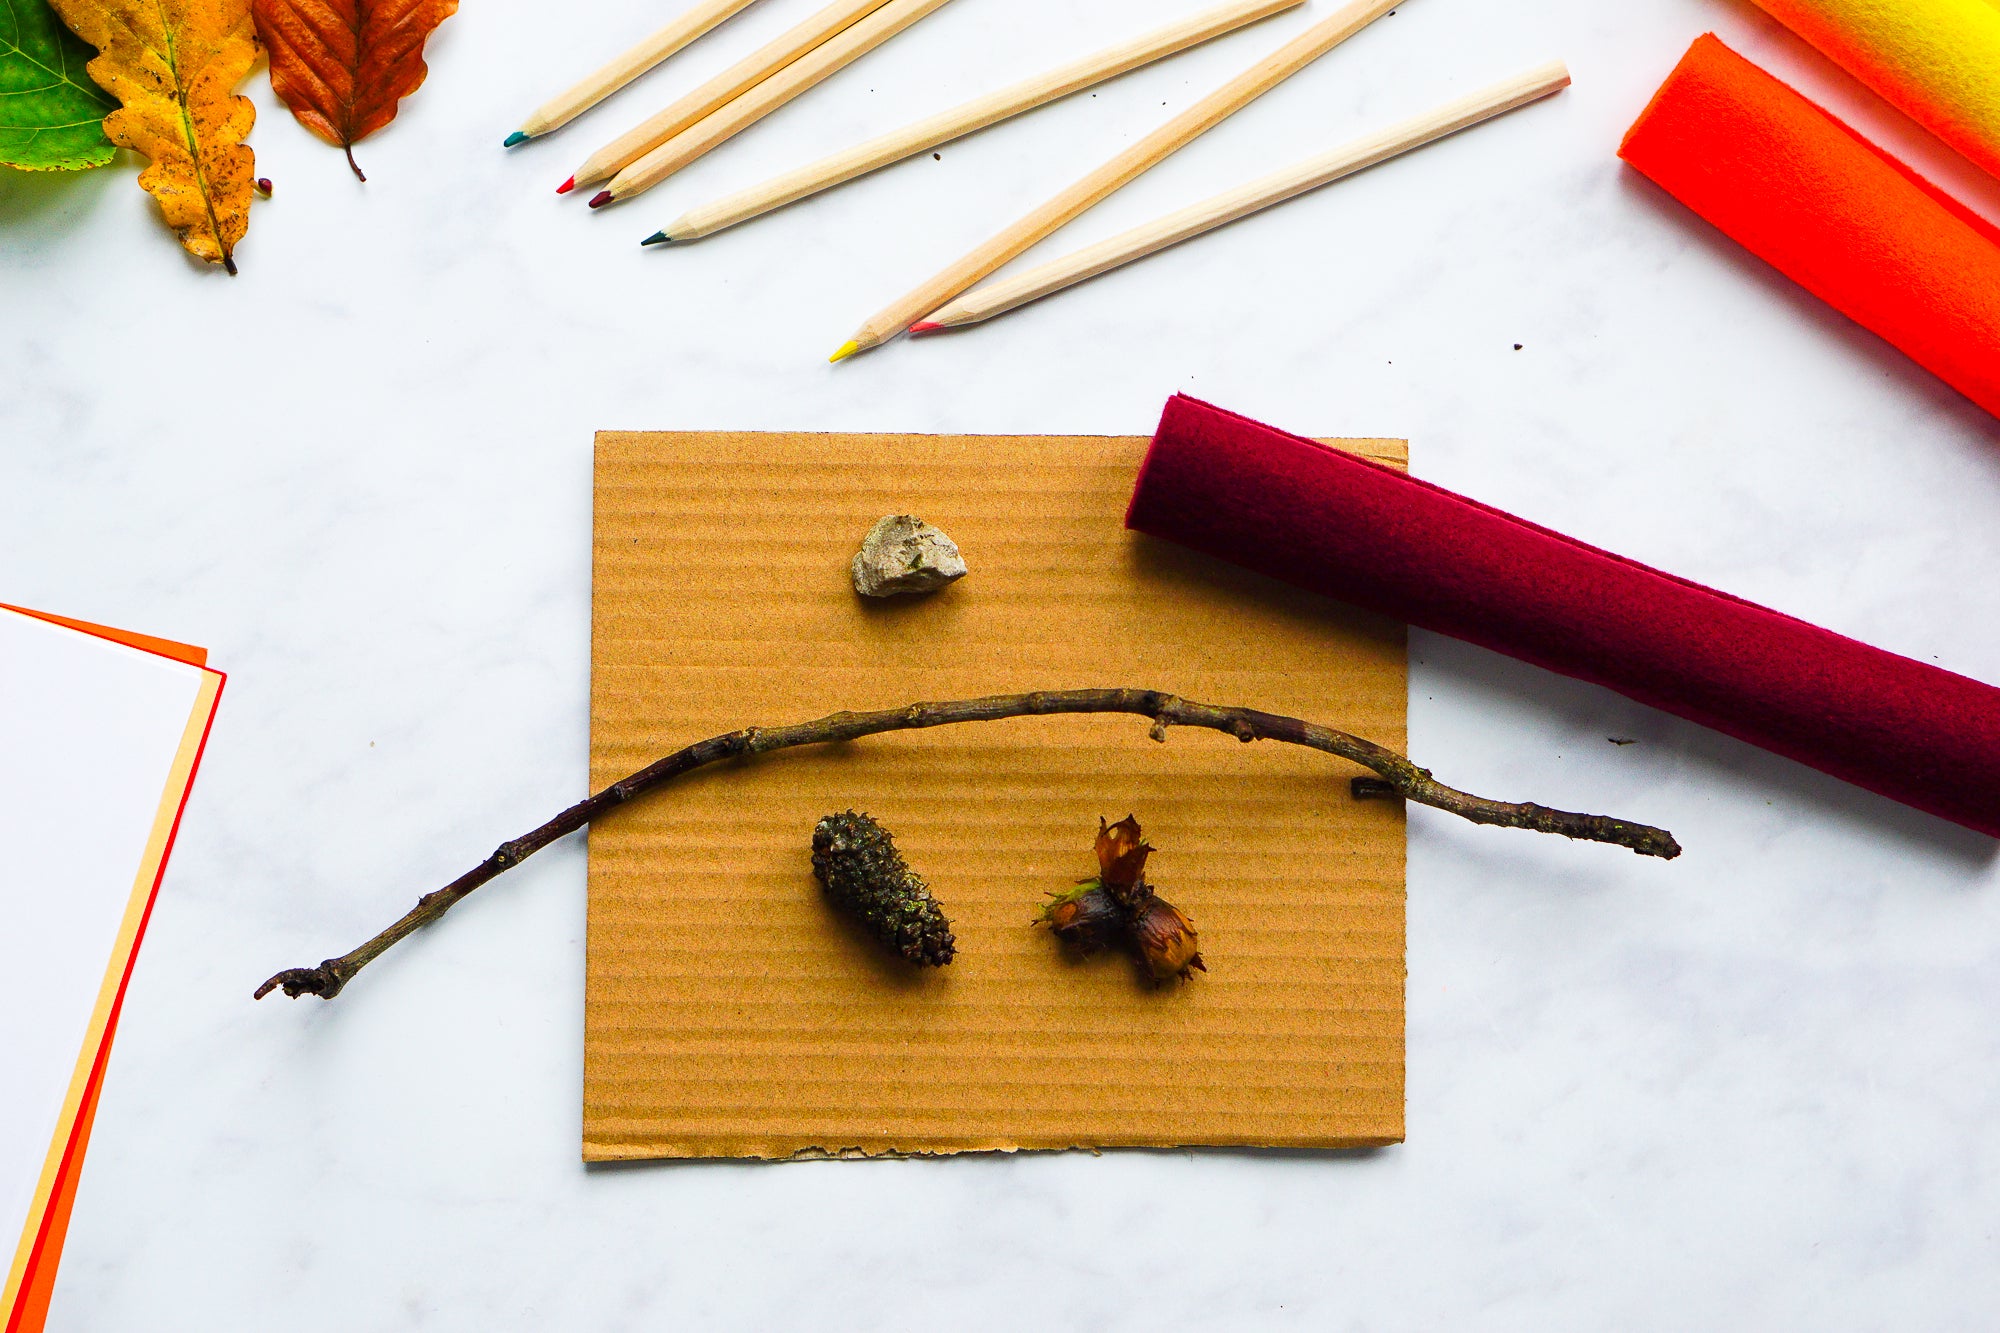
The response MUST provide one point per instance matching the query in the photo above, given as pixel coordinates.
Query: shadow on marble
(28, 196)
(1717, 762)
(1874, 353)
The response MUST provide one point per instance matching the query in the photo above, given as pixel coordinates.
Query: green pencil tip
(657, 238)
(516, 137)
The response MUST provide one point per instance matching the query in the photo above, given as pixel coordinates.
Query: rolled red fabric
(1831, 211)
(1331, 523)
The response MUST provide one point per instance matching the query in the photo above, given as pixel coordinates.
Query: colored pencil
(794, 80)
(1265, 192)
(1127, 166)
(587, 93)
(720, 91)
(962, 120)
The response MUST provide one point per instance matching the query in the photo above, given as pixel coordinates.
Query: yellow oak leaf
(174, 65)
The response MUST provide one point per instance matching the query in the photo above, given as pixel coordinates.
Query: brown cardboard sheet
(731, 1013)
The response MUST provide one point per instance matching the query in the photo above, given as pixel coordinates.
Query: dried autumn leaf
(51, 114)
(1121, 853)
(174, 65)
(342, 65)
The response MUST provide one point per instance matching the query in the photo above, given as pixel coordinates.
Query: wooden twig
(1394, 775)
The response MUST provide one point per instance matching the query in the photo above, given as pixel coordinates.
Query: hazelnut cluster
(1117, 907)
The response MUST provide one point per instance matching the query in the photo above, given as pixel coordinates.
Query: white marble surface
(1759, 1087)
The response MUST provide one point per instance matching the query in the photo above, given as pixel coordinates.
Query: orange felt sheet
(1829, 210)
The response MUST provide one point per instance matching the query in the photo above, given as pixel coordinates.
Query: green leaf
(51, 114)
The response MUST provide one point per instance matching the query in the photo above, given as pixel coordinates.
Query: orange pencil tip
(921, 327)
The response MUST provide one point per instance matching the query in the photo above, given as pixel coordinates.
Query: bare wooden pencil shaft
(1141, 157)
(588, 92)
(1260, 194)
(723, 89)
(971, 116)
(794, 80)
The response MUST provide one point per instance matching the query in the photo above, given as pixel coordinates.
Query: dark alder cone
(858, 865)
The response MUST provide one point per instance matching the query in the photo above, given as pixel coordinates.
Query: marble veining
(1756, 1088)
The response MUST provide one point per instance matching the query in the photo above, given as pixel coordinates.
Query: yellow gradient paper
(1938, 61)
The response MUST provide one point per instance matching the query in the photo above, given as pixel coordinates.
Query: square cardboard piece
(730, 1012)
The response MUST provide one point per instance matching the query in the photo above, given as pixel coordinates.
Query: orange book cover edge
(31, 1277)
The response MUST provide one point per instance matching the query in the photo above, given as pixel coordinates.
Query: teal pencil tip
(657, 238)
(514, 138)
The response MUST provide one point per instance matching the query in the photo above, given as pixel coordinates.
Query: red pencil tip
(600, 199)
(922, 327)
(566, 186)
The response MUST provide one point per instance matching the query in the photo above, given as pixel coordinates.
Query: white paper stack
(100, 735)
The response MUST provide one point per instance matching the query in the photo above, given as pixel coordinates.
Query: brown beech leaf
(342, 65)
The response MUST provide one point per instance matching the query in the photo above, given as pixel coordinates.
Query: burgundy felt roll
(1334, 524)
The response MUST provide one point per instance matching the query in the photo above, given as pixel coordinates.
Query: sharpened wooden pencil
(588, 92)
(720, 91)
(1265, 192)
(962, 120)
(807, 72)
(1127, 166)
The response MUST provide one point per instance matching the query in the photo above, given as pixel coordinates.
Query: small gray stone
(904, 554)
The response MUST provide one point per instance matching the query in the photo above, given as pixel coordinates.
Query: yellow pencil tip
(847, 349)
